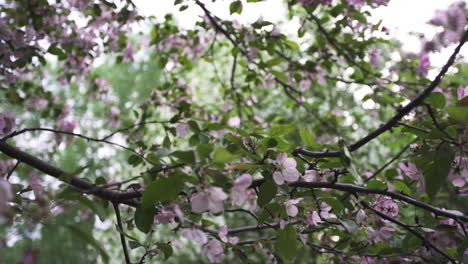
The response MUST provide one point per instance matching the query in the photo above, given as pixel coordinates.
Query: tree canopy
(127, 138)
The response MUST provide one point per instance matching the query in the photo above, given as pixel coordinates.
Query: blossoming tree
(230, 142)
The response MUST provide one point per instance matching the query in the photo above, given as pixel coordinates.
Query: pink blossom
(458, 175)
(66, 125)
(413, 173)
(128, 53)
(387, 207)
(177, 244)
(167, 214)
(374, 57)
(7, 123)
(304, 85)
(382, 234)
(181, 130)
(5, 167)
(36, 186)
(6, 195)
(313, 218)
(311, 176)
(291, 208)
(234, 121)
(360, 216)
(239, 189)
(286, 169)
(38, 103)
(424, 64)
(195, 235)
(275, 32)
(222, 233)
(462, 92)
(315, 2)
(211, 199)
(356, 3)
(214, 251)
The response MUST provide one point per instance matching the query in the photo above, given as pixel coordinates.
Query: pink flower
(387, 207)
(462, 92)
(38, 103)
(413, 173)
(286, 169)
(291, 208)
(214, 251)
(234, 121)
(374, 57)
(5, 194)
(304, 85)
(313, 218)
(424, 64)
(360, 216)
(356, 3)
(67, 126)
(7, 123)
(128, 53)
(168, 213)
(37, 187)
(311, 176)
(181, 130)
(222, 233)
(239, 193)
(275, 32)
(211, 199)
(382, 234)
(459, 174)
(195, 235)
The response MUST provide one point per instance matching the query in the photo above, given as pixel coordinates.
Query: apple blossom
(386, 206)
(291, 208)
(223, 232)
(286, 169)
(424, 64)
(239, 190)
(209, 200)
(213, 251)
(413, 173)
(7, 123)
(181, 130)
(462, 92)
(195, 235)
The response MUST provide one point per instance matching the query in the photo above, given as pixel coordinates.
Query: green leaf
(281, 76)
(184, 156)
(162, 190)
(222, 155)
(334, 203)
(53, 49)
(286, 244)
(436, 100)
(307, 137)
(144, 218)
(235, 7)
(266, 193)
(134, 160)
(281, 130)
(401, 186)
(204, 150)
(376, 184)
(458, 113)
(293, 45)
(88, 238)
(435, 166)
(166, 250)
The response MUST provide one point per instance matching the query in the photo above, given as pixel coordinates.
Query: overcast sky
(400, 16)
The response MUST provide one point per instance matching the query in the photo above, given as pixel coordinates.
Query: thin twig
(122, 237)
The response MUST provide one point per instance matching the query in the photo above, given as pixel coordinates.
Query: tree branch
(122, 237)
(81, 185)
(398, 116)
(359, 189)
